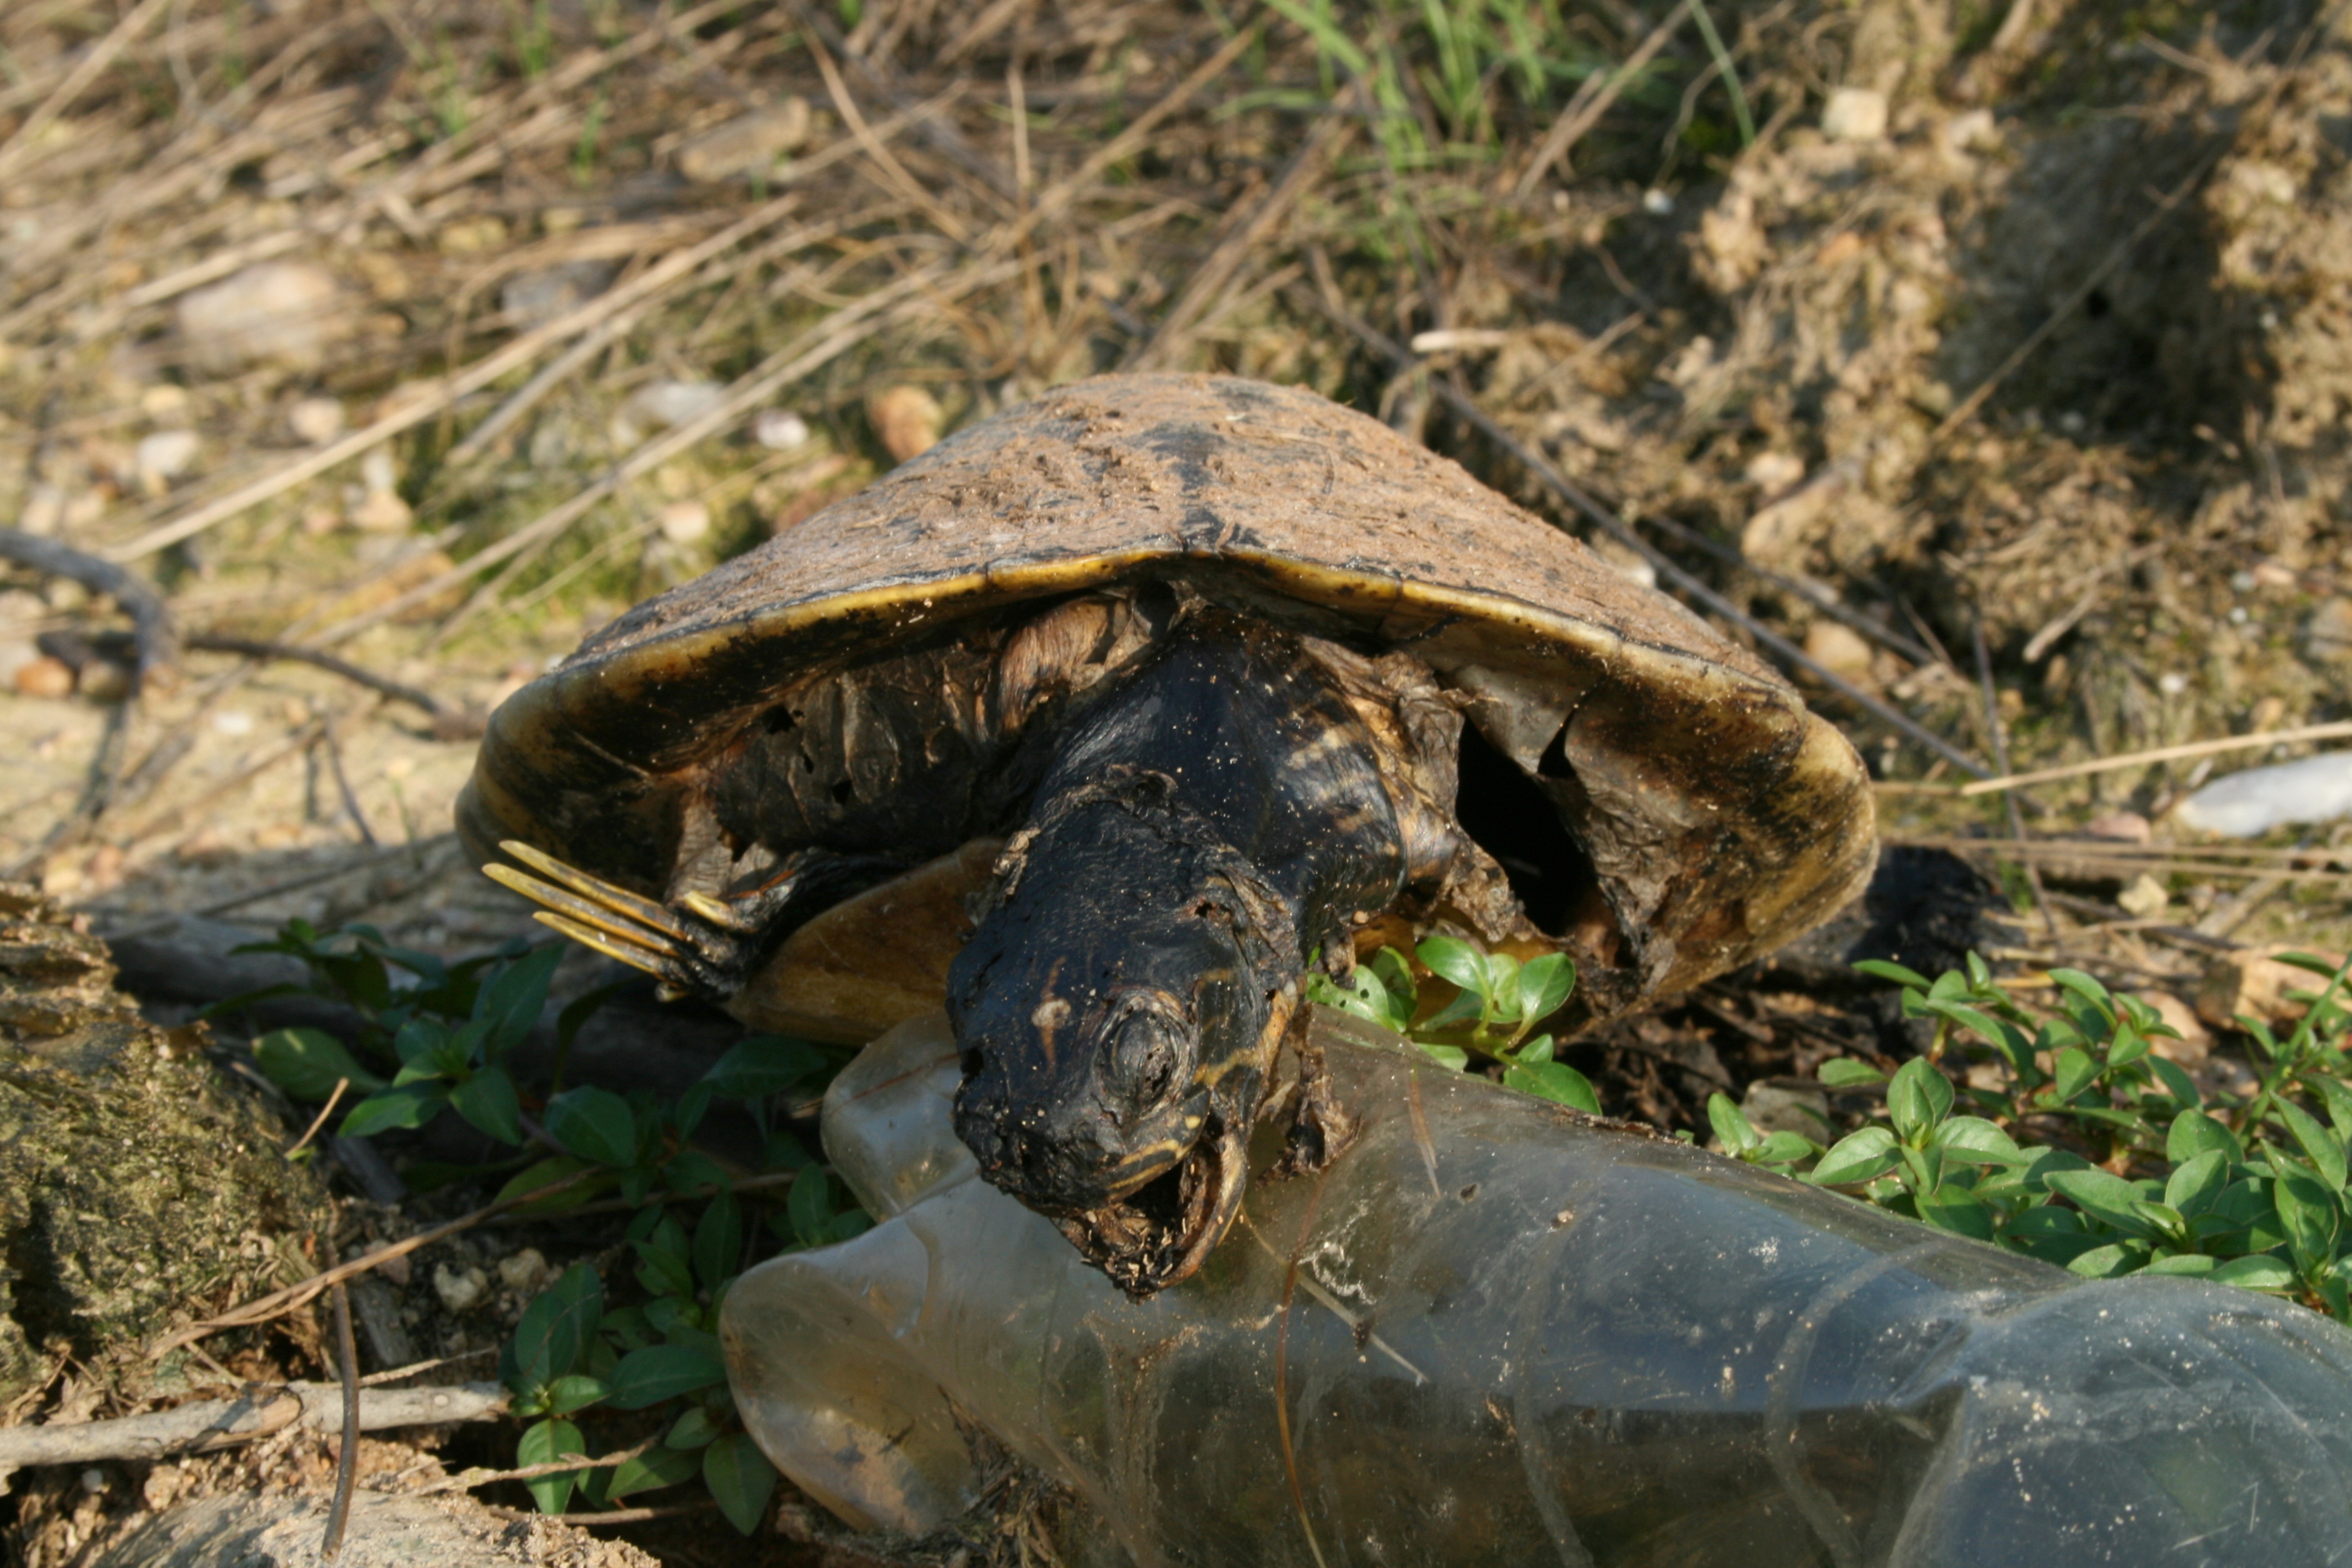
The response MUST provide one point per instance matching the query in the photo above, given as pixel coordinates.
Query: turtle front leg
(702, 945)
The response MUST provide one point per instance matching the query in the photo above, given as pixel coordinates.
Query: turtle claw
(703, 947)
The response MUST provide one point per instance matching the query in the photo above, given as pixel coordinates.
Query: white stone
(684, 521)
(1855, 114)
(780, 430)
(285, 312)
(749, 144)
(459, 1288)
(163, 457)
(316, 420)
(2144, 898)
(378, 476)
(669, 403)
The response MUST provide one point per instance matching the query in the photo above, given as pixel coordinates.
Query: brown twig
(347, 1462)
(257, 1413)
(318, 659)
(1998, 734)
(416, 846)
(2338, 731)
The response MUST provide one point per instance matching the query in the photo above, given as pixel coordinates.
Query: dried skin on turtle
(1211, 657)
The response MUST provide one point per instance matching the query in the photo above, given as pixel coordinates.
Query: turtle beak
(1143, 1255)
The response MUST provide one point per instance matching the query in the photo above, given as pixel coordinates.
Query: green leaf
(763, 1065)
(2128, 1049)
(419, 1041)
(1545, 985)
(2089, 989)
(1782, 1149)
(306, 1064)
(1535, 1052)
(741, 1479)
(2075, 1071)
(1457, 961)
(1975, 1140)
(2104, 1196)
(595, 1124)
(810, 1206)
(488, 1100)
(652, 1468)
(694, 1428)
(2193, 1132)
(2190, 1265)
(2176, 1081)
(2195, 1182)
(1453, 1058)
(719, 1241)
(2338, 1096)
(543, 1443)
(1880, 969)
(1732, 1129)
(1839, 1071)
(1555, 1081)
(2320, 1145)
(410, 1105)
(2260, 1272)
(1466, 1005)
(1917, 1099)
(572, 1392)
(509, 1005)
(2307, 1213)
(546, 1173)
(656, 1372)
(1856, 1158)
(2109, 1262)
(557, 1323)
(1957, 1210)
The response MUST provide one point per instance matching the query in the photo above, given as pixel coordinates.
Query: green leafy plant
(1497, 1001)
(589, 1374)
(2080, 1145)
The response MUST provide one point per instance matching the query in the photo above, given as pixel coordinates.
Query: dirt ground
(1996, 356)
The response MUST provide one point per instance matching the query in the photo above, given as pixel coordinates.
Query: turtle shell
(1715, 816)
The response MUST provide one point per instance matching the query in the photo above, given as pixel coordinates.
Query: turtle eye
(1147, 1051)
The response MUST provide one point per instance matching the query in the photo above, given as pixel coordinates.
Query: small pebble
(44, 677)
(381, 512)
(2124, 827)
(780, 430)
(671, 403)
(1839, 649)
(749, 144)
(1855, 114)
(165, 403)
(163, 457)
(2327, 636)
(316, 420)
(684, 521)
(524, 1271)
(377, 472)
(1775, 472)
(2144, 898)
(908, 419)
(544, 294)
(2172, 683)
(44, 509)
(285, 312)
(1657, 202)
(459, 1289)
(233, 722)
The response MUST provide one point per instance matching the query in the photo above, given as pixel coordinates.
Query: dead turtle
(1104, 720)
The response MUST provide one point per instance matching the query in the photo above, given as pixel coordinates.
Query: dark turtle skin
(1104, 720)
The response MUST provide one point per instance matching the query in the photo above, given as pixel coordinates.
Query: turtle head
(1118, 1009)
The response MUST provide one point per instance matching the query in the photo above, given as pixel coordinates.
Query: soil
(2024, 329)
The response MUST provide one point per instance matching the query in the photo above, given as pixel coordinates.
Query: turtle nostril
(971, 1060)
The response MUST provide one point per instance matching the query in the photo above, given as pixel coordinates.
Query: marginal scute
(1721, 817)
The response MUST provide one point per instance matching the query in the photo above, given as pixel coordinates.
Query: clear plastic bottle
(1494, 1332)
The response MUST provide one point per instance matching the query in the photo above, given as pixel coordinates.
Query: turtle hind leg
(699, 945)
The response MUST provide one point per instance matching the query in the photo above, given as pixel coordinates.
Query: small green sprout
(1499, 1000)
